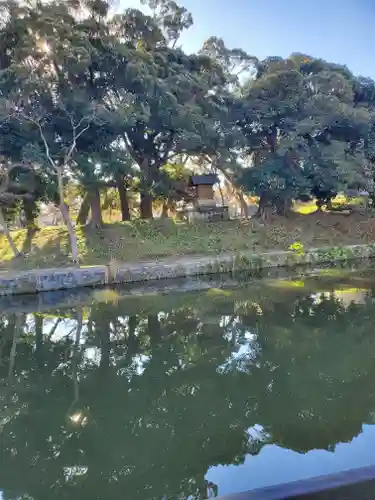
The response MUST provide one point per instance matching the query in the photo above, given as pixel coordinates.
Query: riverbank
(198, 292)
(40, 280)
(123, 243)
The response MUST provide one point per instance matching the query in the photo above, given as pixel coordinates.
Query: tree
(60, 162)
(116, 100)
(160, 100)
(303, 111)
(369, 145)
(89, 173)
(236, 64)
(173, 186)
(16, 184)
(56, 101)
(120, 168)
(271, 108)
(171, 17)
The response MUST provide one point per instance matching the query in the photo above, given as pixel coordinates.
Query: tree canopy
(106, 98)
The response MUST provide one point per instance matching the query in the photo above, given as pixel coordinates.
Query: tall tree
(302, 110)
(171, 17)
(162, 96)
(16, 184)
(47, 77)
(237, 64)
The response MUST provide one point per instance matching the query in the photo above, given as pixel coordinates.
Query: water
(133, 394)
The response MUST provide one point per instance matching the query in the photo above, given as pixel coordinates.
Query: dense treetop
(104, 99)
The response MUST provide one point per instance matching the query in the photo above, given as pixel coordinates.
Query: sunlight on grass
(214, 292)
(286, 284)
(140, 240)
(305, 208)
(309, 207)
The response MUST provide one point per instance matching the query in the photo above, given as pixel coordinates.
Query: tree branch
(43, 137)
(130, 148)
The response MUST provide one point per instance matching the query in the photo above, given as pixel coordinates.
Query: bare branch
(76, 135)
(54, 328)
(37, 123)
(46, 146)
(70, 152)
(130, 148)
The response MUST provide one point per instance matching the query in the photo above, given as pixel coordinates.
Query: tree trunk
(84, 211)
(284, 207)
(261, 208)
(74, 414)
(30, 211)
(146, 206)
(319, 205)
(146, 191)
(329, 204)
(105, 347)
(244, 212)
(272, 138)
(221, 195)
(237, 192)
(20, 319)
(154, 330)
(264, 208)
(124, 202)
(165, 210)
(96, 209)
(8, 236)
(67, 219)
(132, 339)
(39, 340)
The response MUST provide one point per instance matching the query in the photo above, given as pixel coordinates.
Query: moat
(188, 395)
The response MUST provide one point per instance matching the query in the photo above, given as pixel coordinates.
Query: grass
(340, 201)
(148, 240)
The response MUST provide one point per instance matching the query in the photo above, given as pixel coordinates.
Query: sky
(341, 31)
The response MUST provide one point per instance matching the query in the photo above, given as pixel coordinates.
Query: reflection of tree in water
(160, 398)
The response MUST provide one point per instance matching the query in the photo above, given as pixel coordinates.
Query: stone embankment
(40, 280)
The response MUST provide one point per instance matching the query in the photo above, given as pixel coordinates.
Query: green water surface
(187, 395)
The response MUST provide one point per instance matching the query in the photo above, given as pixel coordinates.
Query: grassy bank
(143, 240)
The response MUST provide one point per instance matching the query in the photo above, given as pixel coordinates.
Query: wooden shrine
(204, 204)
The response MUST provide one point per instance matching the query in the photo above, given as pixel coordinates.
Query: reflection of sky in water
(64, 328)
(346, 297)
(242, 353)
(275, 465)
(67, 328)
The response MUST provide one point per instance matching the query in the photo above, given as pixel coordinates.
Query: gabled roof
(208, 180)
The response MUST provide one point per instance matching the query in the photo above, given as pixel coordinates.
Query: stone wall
(40, 280)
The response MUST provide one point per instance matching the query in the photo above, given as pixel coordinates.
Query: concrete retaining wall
(40, 280)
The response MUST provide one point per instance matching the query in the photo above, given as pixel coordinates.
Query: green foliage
(298, 248)
(117, 100)
(309, 134)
